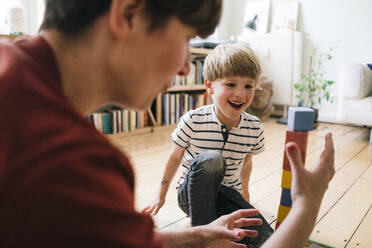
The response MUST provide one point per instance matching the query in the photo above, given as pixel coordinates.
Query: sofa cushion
(358, 112)
(355, 81)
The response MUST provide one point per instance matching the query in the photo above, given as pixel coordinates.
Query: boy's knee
(211, 161)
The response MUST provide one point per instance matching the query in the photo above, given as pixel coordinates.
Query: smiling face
(231, 96)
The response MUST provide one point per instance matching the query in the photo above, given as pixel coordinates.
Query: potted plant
(314, 89)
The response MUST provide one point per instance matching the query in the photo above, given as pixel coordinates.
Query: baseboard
(328, 118)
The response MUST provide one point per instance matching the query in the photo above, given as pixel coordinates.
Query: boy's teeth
(236, 104)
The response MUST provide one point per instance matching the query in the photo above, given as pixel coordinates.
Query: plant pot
(316, 114)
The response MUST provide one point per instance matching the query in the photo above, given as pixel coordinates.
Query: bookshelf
(180, 88)
(186, 93)
(200, 51)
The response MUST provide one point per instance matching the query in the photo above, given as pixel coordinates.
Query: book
(172, 108)
(177, 117)
(125, 120)
(106, 122)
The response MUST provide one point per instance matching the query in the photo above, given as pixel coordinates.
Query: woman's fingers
(247, 222)
(294, 158)
(249, 233)
(243, 213)
(326, 163)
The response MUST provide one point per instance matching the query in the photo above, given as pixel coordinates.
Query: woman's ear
(121, 16)
(208, 86)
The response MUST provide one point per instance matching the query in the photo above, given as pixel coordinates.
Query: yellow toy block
(286, 179)
(282, 213)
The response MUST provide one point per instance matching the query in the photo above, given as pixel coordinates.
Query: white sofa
(355, 95)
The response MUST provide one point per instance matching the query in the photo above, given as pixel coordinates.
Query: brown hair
(231, 60)
(74, 16)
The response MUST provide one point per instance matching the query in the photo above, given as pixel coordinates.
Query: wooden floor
(345, 218)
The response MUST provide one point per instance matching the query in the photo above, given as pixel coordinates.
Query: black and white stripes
(200, 130)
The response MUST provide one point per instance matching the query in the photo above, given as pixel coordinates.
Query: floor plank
(363, 235)
(345, 213)
(338, 226)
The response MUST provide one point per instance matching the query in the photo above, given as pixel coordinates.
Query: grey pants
(204, 199)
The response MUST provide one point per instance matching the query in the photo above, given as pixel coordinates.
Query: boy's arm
(171, 167)
(245, 175)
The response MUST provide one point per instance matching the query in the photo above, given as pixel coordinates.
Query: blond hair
(232, 60)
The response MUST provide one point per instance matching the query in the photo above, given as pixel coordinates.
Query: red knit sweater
(61, 182)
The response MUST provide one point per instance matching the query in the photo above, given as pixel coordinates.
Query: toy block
(283, 210)
(286, 199)
(300, 138)
(282, 213)
(286, 179)
(301, 118)
(286, 164)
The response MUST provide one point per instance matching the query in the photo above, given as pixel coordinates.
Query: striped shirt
(200, 130)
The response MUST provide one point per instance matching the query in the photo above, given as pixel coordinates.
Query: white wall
(345, 25)
(232, 19)
(30, 7)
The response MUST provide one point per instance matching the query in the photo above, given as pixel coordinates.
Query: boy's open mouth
(235, 105)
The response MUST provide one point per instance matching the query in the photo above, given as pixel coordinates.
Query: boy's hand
(154, 208)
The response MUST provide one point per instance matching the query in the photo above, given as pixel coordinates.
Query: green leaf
(327, 96)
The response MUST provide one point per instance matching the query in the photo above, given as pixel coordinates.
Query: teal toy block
(301, 118)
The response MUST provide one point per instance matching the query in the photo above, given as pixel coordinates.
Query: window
(32, 15)
(40, 12)
(5, 7)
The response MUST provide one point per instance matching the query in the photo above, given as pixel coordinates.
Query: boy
(216, 142)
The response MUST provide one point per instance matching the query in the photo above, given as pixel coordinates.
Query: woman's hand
(227, 229)
(308, 186)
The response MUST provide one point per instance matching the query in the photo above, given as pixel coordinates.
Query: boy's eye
(230, 84)
(248, 86)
